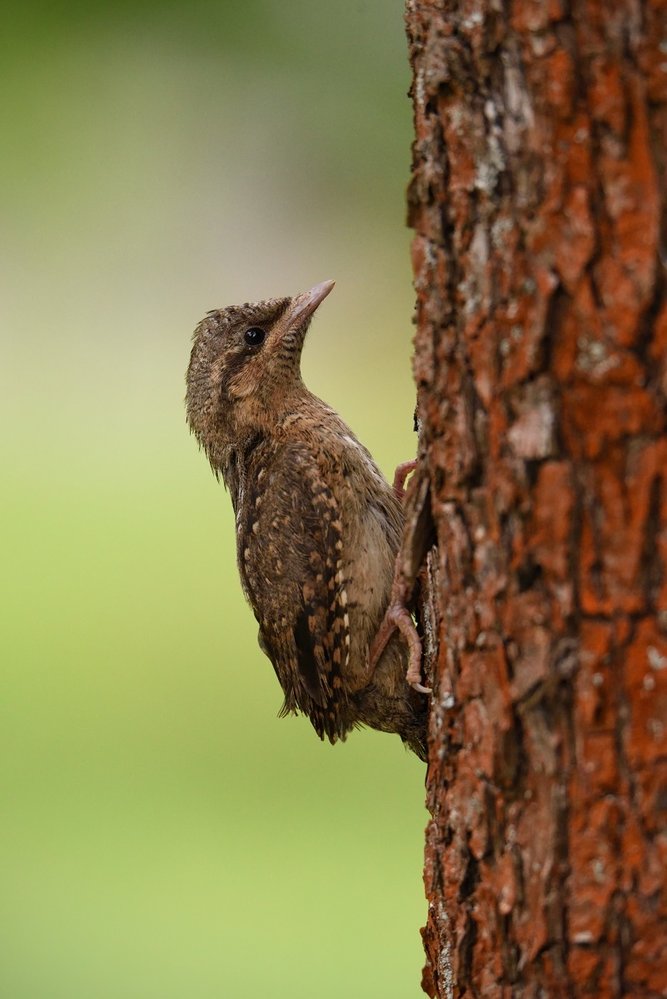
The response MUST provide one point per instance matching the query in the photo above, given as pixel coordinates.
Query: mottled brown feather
(318, 526)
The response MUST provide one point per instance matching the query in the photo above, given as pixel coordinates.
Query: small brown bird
(317, 524)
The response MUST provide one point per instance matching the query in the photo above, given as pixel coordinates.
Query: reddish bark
(538, 200)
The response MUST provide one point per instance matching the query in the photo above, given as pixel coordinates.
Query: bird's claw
(401, 474)
(398, 617)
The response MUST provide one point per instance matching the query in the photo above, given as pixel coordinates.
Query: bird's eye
(255, 336)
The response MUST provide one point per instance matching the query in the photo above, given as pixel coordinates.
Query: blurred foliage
(164, 834)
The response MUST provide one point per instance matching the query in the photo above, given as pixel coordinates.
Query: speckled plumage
(317, 524)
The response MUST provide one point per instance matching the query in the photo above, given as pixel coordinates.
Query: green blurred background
(163, 833)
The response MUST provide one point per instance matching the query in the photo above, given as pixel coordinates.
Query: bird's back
(318, 529)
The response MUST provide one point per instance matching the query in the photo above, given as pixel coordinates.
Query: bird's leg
(397, 616)
(409, 561)
(401, 474)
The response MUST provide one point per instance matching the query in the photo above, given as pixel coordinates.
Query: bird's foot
(401, 474)
(399, 617)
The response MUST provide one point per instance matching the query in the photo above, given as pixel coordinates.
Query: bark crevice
(538, 203)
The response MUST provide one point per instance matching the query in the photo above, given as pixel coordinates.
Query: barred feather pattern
(317, 524)
(290, 546)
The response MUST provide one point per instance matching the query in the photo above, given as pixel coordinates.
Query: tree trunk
(538, 201)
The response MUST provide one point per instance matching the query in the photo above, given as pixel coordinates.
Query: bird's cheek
(242, 383)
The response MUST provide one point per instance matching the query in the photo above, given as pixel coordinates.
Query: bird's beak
(303, 306)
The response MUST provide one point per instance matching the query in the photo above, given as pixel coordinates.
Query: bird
(318, 526)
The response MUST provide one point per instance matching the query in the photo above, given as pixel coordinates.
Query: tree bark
(538, 201)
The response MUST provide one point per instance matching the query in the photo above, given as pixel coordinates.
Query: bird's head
(245, 368)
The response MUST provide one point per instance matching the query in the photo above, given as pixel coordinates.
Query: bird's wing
(292, 563)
